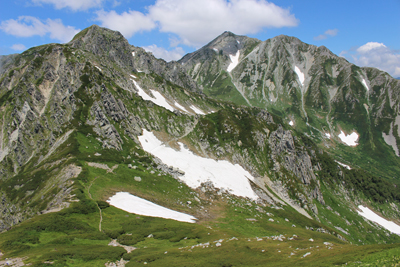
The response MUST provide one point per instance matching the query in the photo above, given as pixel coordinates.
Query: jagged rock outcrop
(6, 60)
(295, 160)
(10, 213)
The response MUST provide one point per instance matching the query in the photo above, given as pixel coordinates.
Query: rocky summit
(242, 153)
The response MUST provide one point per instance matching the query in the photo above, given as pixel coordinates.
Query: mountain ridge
(331, 85)
(74, 121)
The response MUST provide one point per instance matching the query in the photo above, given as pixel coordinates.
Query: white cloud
(159, 52)
(327, 33)
(198, 22)
(128, 23)
(75, 5)
(376, 55)
(27, 26)
(370, 46)
(18, 47)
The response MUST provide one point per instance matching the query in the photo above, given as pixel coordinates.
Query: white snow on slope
(98, 68)
(343, 165)
(221, 173)
(291, 123)
(133, 76)
(328, 135)
(234, 61)
(299, 74)
(365, 84)
(133, 54)
(181, 107)
(350, 140)
(158, 98)
(137, 205)
(372, 216)
(197, 110)
(390, 139)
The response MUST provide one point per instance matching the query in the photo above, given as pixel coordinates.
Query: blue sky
(366, 33)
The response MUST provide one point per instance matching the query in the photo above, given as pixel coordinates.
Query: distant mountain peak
(93, 31)
(96, 38)
(227, 42)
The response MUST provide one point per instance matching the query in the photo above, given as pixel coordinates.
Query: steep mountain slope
(84, 120)
(314, 90)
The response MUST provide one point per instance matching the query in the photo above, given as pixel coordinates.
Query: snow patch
(133, 76)
(181, 107)
(291, 123)
(365, 84)
(197, 110)
(390, 139)
(133, 54)
(215, 49)
(158, 98)
(328, 135)
(372, 216)
(350, 140)
(300, 75)
(161, 101)
(343, 165)
(137, 205)
(98, 68)
(234, 61)
(305, 255)
(221, 173)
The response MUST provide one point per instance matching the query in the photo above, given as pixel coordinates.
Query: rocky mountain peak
(229, 43)
(94, 34)
(102, 41)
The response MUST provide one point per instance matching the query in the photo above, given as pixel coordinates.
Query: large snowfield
(372, 216)
(350, 140)
(133, 204)
(222, 173)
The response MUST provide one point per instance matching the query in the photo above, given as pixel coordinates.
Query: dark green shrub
(130, 240)
(114, 234)
(102, 204)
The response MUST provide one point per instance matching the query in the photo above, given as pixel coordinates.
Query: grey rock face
(5, 61)
(295, 160)
(101, 42)
(11, 214)
(104, 128)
